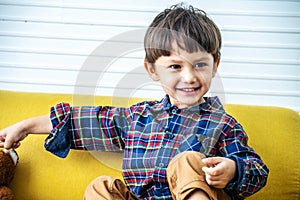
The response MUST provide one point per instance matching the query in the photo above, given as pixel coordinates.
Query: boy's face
(185, 77)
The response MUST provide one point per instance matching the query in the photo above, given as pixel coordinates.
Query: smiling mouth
(189, 89)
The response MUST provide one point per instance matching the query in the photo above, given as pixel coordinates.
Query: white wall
(45, 46)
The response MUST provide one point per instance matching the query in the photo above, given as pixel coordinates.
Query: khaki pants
(184, 175)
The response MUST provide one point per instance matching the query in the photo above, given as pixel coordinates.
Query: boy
(182, 147)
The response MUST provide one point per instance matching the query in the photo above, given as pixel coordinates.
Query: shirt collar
(211, 104)
(166, 103)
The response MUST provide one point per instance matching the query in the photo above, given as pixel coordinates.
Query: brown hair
(190, 28)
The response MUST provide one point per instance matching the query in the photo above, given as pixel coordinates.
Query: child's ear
(151, 71)
(216, 65)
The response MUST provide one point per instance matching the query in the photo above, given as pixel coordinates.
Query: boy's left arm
(250, 173)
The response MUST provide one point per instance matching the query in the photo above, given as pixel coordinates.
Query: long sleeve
(100, 128)
(252, 173)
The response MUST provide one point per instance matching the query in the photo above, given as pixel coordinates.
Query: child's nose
(188, 76)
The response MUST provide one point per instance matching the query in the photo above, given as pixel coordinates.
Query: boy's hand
(11, 136)
(219, 171)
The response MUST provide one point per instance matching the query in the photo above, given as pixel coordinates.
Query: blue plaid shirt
(150, 134)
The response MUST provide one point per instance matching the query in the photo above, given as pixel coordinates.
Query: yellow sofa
(273, 132)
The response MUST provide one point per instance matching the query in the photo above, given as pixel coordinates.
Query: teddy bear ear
(13, 155)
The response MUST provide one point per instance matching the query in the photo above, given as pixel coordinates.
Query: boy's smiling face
(185, 77)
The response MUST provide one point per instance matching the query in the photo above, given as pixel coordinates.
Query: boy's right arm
(11, 136)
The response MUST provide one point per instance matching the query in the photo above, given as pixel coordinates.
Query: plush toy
(8, 163)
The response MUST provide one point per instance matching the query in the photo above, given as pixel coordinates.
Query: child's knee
(186, 166)
(98, 187)
(109, 188)
(187, 159)
(103, 181)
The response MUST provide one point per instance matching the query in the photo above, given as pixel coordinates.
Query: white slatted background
(44, 45)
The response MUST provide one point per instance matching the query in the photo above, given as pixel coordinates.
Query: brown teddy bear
(8, 163)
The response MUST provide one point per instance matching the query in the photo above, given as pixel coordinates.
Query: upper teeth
(188, 89)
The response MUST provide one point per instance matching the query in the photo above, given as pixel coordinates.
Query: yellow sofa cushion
(273, 132)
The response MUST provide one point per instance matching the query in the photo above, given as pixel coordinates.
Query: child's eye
(200, 65)
(175, 66)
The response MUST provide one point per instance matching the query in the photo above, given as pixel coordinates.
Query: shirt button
(169, 135)
(161, 164)
(174, 111)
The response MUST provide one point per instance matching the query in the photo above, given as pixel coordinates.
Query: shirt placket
(165, 152)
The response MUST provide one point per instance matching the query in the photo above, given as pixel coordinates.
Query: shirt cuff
(234, 184)
(58, 141)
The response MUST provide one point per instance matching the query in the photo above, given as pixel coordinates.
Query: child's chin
(188, 104)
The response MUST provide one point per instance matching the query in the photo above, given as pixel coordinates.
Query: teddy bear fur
(7, 172)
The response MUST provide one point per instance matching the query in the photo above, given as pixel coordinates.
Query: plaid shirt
(150, 134)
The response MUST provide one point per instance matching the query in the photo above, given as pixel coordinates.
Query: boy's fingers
(2, 139)
(8, 143)
(2, 136)
(212, 171)
(208, 170)
(212, 161)
(16, 145)
(212, 166)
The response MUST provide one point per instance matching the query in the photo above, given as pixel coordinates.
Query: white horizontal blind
(45, 46)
